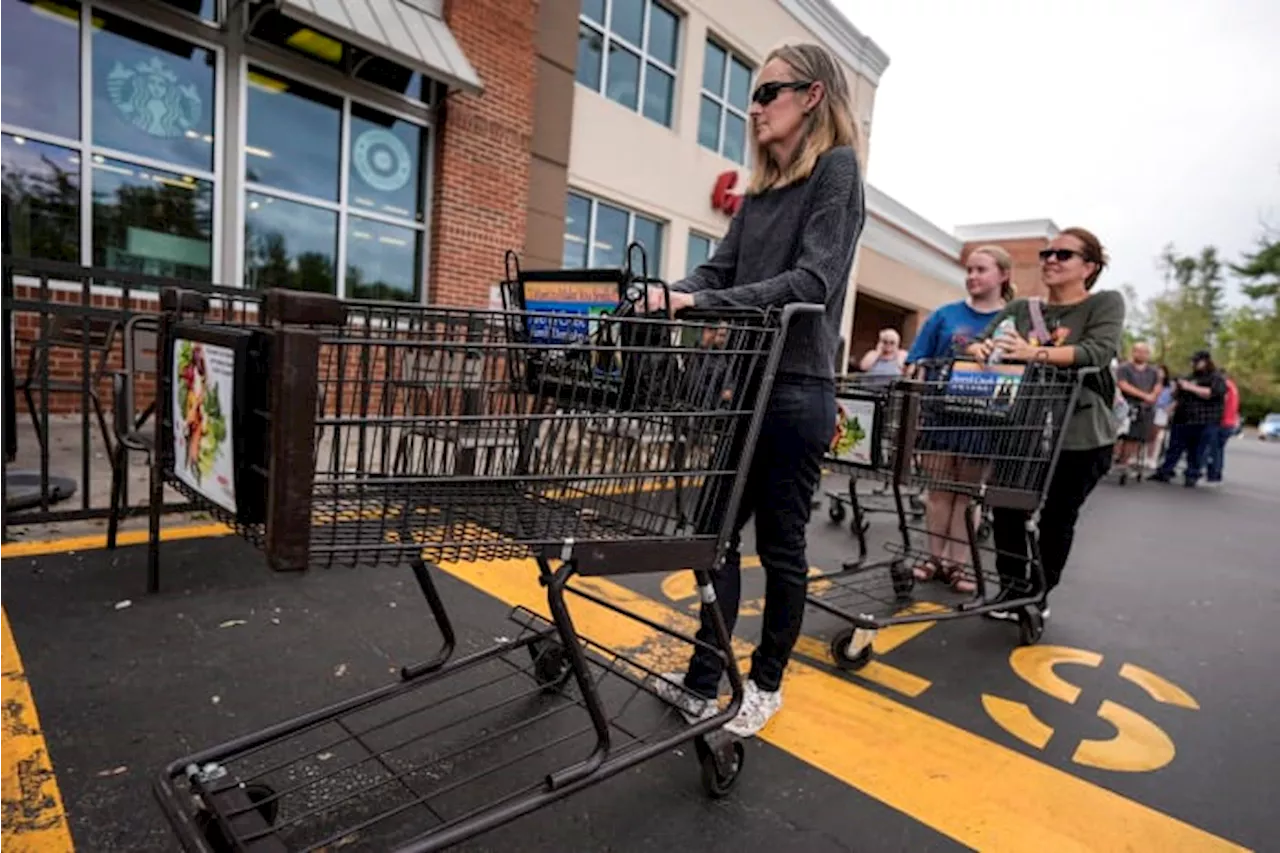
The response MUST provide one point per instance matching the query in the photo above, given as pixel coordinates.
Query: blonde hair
(1008, 290)
(829, 125)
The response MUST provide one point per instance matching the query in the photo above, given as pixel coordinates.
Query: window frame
(721, 98)
(607, 35)
(342, 206)
(593, 203)
(713, 243)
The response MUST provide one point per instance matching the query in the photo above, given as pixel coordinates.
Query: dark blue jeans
(1216, 455)
(785, 470)
(1192, 440)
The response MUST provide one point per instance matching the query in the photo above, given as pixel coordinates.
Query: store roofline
(1018, 229)
(830, 24)
(894, 212)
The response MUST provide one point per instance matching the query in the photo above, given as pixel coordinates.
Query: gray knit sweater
(792, 244)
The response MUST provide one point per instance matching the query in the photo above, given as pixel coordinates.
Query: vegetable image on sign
(203, 383)
(855, 431)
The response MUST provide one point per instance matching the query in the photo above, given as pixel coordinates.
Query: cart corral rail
(342, 433)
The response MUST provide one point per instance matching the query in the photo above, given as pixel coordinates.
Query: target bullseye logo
(382, 160)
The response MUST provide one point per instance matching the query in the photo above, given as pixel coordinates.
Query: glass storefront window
(152, 221)
(395, 78)
(577, 221)
(383, 261)
(293, 137)
(153, 93)
(648, 233)
(40, 52)
(205, 9)
(385, 173)
(640, 70)
(288, 244)
(41, 199)
(700, 250)
(722, 112)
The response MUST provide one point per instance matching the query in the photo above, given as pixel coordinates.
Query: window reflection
(293, 137)
(576, 221)
(386, 160)
(151, 221)
(206, 9)
(40, 52)
(41, 199)
(394, 77)
(287, 244)
(648, 233)
(152, 93)
(383, 261)
(610, 245)
(276, 29)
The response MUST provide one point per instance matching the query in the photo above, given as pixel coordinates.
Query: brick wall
(1026, 261)
(482, 162)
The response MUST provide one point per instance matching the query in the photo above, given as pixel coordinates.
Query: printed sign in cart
(580, 303)
(857, 438)
(203, 408)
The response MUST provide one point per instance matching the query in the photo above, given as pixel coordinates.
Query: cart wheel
(1124, 478)
(984, 531)
(917, 509)
(904, 583)
(551, 667)
(836, 511)
(260, 795)
(1030, 626)
(840, 652)
(719, 777)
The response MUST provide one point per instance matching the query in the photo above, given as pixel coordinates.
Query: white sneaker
(670, 687)
(758, 707)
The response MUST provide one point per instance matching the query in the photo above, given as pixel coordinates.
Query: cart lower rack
(347, 434)
(989, 435)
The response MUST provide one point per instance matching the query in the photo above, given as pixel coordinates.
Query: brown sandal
(959, 579)
(926, 570)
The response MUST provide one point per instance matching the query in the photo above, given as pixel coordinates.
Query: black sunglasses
(1059, 255)
(767, 93)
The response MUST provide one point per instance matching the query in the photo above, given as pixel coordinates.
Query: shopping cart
(1131, 440)
(566, 442)
(863, 456)
(992, 434)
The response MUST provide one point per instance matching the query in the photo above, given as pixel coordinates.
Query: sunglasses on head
(1059, 255)
(767, 93)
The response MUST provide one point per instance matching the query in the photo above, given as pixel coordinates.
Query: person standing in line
(791, 241)
(1080, 329)
(1198, 404)
(1138, 381)
(1161, 416)
(1229, 427)
(886, 360)
(947, 333)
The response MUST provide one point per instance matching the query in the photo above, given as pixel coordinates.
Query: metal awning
(411, 32)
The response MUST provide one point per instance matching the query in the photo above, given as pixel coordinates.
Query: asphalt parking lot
(1142, 721)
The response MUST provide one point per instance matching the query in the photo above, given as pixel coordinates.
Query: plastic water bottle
(1006, 325)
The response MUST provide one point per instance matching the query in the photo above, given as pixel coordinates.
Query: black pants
(1077, 473)
(785, 471)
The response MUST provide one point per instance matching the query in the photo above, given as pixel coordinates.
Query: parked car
(1269, 428)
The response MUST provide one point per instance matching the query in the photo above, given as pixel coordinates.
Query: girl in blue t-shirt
(948, 331)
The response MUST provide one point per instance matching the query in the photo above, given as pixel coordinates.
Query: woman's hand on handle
(980, 350)
(656, 300)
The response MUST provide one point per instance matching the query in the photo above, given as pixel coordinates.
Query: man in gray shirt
(1136, 379)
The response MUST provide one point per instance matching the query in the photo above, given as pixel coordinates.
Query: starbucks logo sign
(381, 160)
(151, 97)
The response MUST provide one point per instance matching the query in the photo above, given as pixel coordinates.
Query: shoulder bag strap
(1038, 327)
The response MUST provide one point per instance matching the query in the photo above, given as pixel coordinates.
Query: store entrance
(870, 315)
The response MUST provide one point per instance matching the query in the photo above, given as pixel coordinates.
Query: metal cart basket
(564, 442)
(992, 434)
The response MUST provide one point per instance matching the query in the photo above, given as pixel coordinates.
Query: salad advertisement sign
(204, 386)
(857, 438)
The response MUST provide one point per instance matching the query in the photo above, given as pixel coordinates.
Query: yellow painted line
(99, 540)
(1159, 688)
(1034, 664)
(1018, 720)
(874, 671)
(1139, 746)
(34, 819)
(978, 792)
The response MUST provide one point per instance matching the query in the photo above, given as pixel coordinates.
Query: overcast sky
(1145, 121)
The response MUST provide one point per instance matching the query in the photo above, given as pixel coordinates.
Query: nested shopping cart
(568, 438)
(863, 458)
(989, 432)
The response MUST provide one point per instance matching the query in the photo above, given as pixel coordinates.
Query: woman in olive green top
(1084, 330)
